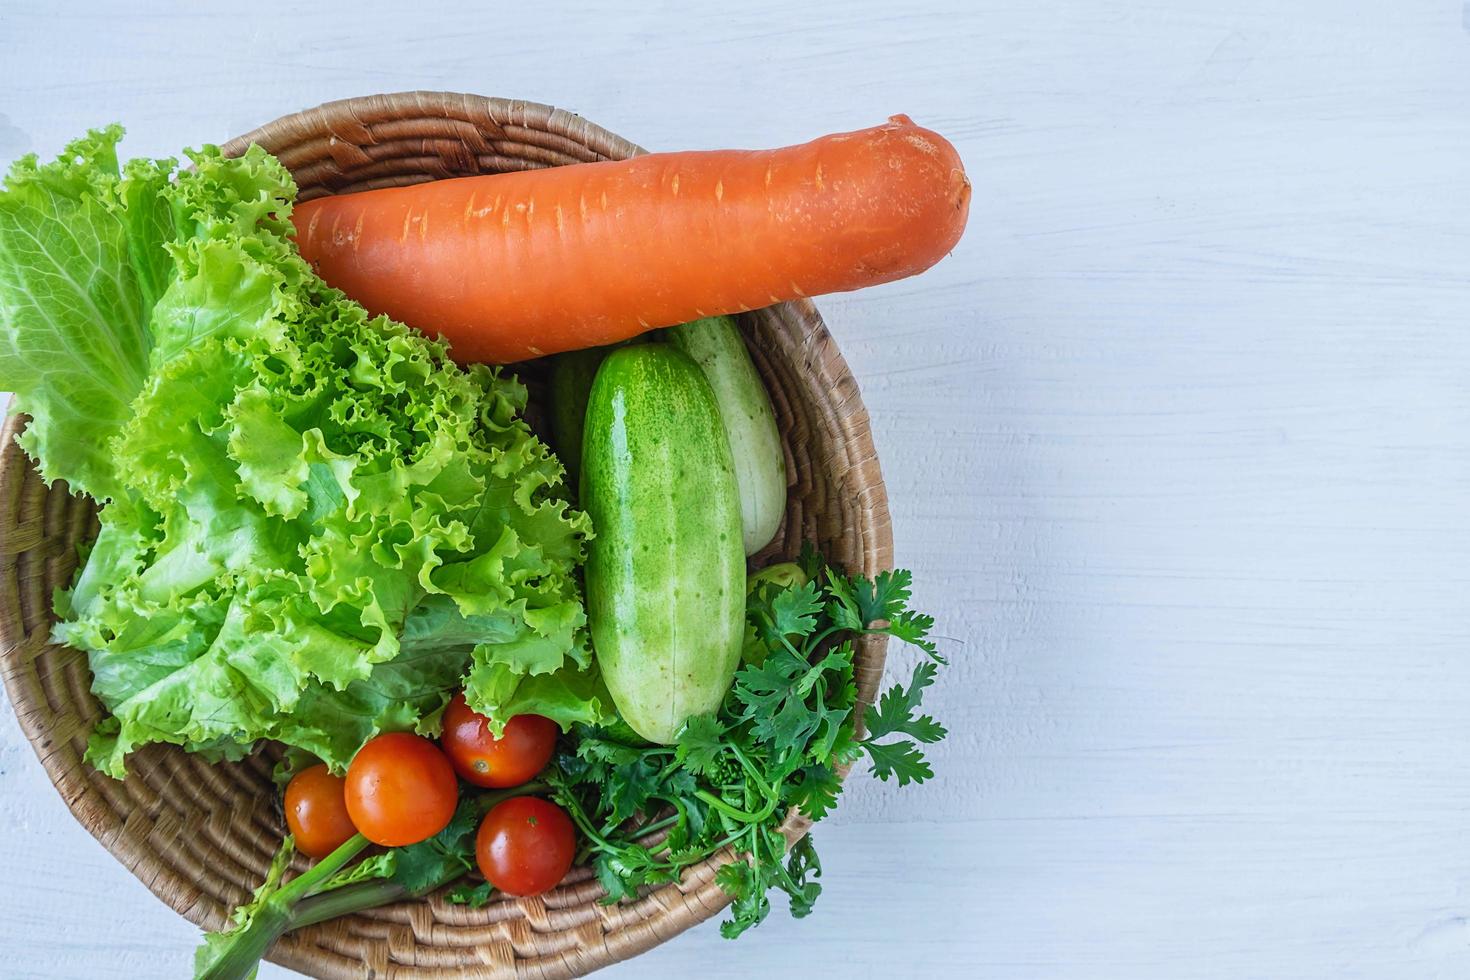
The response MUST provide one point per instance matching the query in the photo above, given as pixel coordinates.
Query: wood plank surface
(1178, 444)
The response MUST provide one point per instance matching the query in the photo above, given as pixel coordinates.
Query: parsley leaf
(843, 609)
(895, 713)
(476, 896)
(751, 906)
(422, 867)
(623, 871)
(778, 615)
(794, 610)
(630, 786)
(701, 744)
(899, 758)
(913, 628)
(614, 877)
(815, 790)
(764, 690)
(606, 750)
(802, 864)
(895, 710)
(886, 596)
(777, 694)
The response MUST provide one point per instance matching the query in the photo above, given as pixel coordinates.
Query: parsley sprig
(783, 737)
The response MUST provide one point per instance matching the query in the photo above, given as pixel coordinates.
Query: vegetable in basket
(516, 265)
(400, 789)
(782, 738)
(316, 811)
(745, 407)
(315, 526)
(642, 813)
(483, 759)
(665, 573)
(750, 423)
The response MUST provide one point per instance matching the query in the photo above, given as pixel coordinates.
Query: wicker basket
(201, 836)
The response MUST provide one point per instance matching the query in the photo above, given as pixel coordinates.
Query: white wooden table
(1178, 444)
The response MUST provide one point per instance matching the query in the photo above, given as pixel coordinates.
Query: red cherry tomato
(316, 811)
(400, 789)
(480, 758)
(525, 845)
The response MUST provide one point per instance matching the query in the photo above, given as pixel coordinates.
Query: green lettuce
(315, 526)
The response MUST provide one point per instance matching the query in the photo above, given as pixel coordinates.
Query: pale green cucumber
(750, 423)
(666, 568)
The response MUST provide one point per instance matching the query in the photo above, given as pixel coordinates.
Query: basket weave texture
(201, 836)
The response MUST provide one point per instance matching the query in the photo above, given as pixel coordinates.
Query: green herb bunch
(784, 737)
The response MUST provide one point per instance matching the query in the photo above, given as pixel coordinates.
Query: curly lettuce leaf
(316, 525)
(515, 668)
(81, 260)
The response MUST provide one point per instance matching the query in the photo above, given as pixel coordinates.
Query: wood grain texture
(1177, 444)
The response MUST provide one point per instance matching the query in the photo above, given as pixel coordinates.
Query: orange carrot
(511, 266)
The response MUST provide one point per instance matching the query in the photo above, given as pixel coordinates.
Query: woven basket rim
(352, 124)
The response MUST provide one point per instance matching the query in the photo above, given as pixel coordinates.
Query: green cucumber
(665, 569)
(750, 422)
(571, 382)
